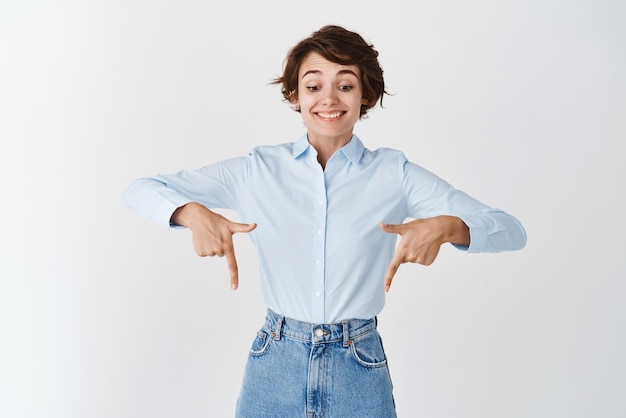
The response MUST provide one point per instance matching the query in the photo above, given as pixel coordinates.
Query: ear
(364, 101)
(293, 97)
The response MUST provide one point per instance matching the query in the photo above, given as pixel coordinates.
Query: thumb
(237, 227)
(392, 228)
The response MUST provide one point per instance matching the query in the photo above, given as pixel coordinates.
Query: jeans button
(319, 333)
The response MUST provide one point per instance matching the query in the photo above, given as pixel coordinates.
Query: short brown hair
(340, 46)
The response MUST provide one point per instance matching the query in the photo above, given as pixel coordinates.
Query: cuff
(478, 236)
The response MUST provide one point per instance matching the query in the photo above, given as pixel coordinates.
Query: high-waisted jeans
(301, 370)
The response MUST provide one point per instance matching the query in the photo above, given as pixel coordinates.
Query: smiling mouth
(330, 115)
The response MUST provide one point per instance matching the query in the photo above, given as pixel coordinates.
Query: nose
(330, 97)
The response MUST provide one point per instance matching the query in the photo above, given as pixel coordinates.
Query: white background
(520, 103)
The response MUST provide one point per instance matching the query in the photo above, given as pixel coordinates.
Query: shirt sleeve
(491, 230)
(215, 186)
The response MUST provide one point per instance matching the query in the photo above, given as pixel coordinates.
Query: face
(330, 98)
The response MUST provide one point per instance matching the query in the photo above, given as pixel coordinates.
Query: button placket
(318, 234)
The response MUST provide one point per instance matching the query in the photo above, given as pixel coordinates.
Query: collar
(301, 145)
(353, 150)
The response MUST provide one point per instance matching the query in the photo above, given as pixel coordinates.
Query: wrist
(187, 215)
(455, 231)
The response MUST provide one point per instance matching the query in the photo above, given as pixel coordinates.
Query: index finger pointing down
(233, 269)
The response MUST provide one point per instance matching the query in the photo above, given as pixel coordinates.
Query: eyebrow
(340, 72)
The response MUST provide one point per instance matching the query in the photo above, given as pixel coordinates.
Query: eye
(313, 88)
(345, 87)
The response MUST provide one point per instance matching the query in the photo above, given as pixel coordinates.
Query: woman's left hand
(421, 240)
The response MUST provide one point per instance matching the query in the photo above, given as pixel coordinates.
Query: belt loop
(279, 327)
(346, 333)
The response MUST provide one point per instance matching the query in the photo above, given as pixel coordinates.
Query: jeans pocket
(260, 343)
(368, 350)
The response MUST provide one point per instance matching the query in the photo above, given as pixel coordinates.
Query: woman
(324, 212)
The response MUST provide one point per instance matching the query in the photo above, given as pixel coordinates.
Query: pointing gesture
(421, 239)
(212, 234)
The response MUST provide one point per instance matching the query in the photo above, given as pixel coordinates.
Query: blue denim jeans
(296, 369)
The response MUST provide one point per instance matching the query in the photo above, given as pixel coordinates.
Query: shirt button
(319, 232)
(320, 202)
(319, 333)
(318, 294)
(318, 263)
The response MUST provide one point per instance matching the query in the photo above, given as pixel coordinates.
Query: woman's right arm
(182, 200)
(216, 185)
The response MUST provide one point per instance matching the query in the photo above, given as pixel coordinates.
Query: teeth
(330, 115)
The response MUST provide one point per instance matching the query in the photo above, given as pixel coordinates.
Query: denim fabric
(296, 369)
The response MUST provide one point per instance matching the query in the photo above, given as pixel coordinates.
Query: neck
(327, 146)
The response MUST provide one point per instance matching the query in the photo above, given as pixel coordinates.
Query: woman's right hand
(212, 234)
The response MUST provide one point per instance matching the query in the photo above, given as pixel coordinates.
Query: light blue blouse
(321, 251)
